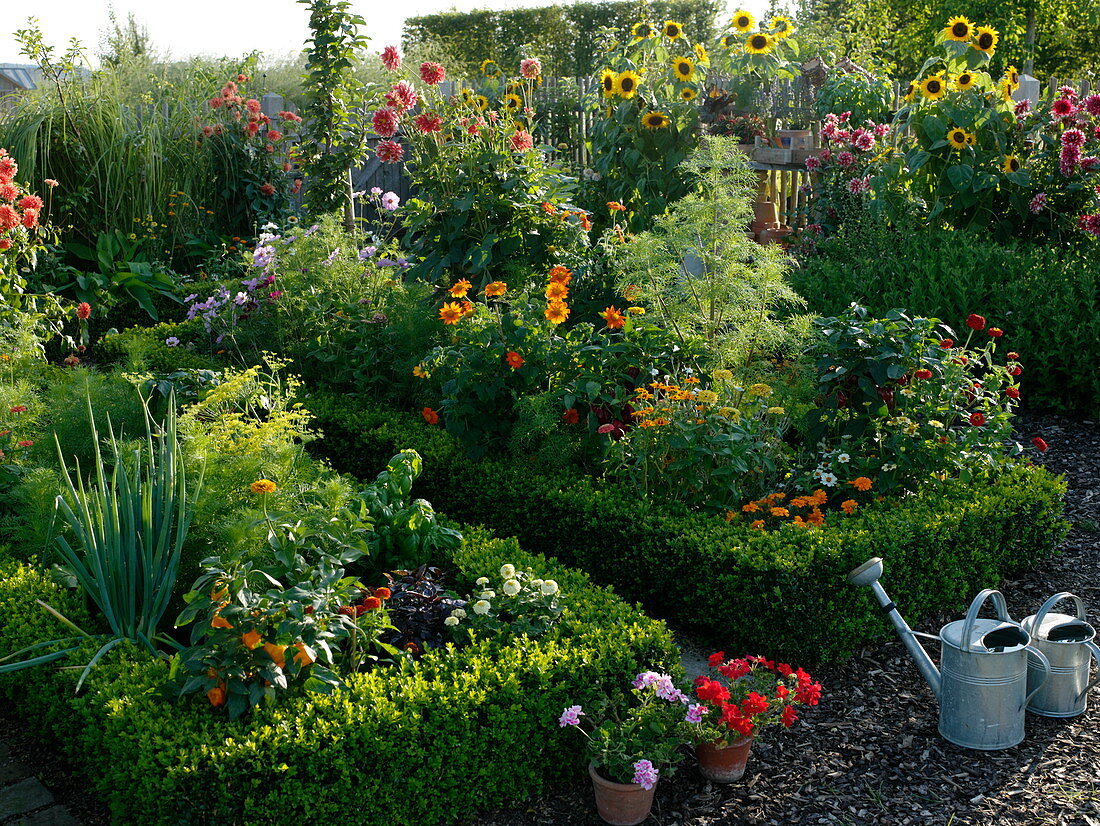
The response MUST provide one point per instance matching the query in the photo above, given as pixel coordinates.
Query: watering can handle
(1037, 622)
(976, 606)
(1031, 649)
(1095, 649)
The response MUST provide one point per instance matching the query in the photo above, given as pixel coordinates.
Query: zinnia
(977, 419)
(975, 322)
(430, 416)
(83, 310)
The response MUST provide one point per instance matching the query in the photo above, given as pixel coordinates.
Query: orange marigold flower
(514, 359)
(460, 288)
(263, 486)
(799, 521)
(816, 517)
(495, 288)
(556, 291)
(451, 313)
(780, 512)
(819, 497)
(798, 502)
(614, 318)
(861, 483)
(557, 312)
(758, 524)
(849, 505)
(615, 206)
(563, 275)
(751, 507)
(430, 416)
(778, 496)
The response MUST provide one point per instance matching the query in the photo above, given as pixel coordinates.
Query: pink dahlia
(385, 122)
(216, 103)
(428, 122)
(881, 130)
(530, 68)
(1022, 108)
(813, 163)
(390, 151)
(1073, 137)
(432, 73)
(1091, 224)
(1062, 108)
(9, 192)
(1090, 164)
(391, 58)
(30, 218)
(522, 141)
(1091, 105)
(252, 105)
(9, 218)
(846, 159)
(268, 190)
(402, 96)
(859, 185)
(1038, 203)
(865, 142)
(1067, 92)
(1068, 160)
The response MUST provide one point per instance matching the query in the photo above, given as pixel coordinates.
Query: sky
(223, 27)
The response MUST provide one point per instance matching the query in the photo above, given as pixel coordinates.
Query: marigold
(758, 524)
(816, 517)
(614, 318)
(460, 288)
(861, 483)
(751, 507)
(430, 416)
(849, 506)
(495, 288)
(780, 512)
(263, 486)
(451, 313)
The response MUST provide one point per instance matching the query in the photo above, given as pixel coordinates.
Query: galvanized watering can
(1069, 643)
(982, 683)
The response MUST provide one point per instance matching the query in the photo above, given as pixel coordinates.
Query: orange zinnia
(460, 288)
(556, 291)
(561, 275)
(430, 416)
(614, 318)
(849, 505)
(557, 312)
(514, 359)
(615, 206)
(451, 313)
(495, 288)
(861, 483)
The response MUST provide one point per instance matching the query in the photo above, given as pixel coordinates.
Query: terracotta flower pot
(723, 763)
(620, 804)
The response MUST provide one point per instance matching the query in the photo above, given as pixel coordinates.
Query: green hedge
(1045, 297)
(462, 730)
(781, 593)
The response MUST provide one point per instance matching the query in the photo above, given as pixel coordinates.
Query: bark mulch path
(870, 754)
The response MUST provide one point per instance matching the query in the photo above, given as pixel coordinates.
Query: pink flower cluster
(246, 111)
(16, 208)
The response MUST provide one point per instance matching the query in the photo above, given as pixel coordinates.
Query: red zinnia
(922, 374)
(83, 310)
(571, 416)
(977, 419)
(947, 344)
(975, 322)
(996, 332)
(1012, 392)
(383, 593)
(1015, 370)
(514, 359)
(432, 73)
(1040, 444)
(430, 416)
(372, 603)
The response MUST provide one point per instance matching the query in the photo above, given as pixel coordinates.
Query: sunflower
(481, 102)
(759, 43)
(781, 27)
(673, 30)
(910, 90)
(687, 93)
(956, 137)
(467, 95)
(1011, 164)
(932, 87)
(512, 102)
(959, 28)
(701, 53)
(626, 84)
(986, 39)
(642, 30)
(684, 68)
(743, 21)
(607, 82)
(1006, 90)
(556, 312)
(655, 120)
(965, 80)
(971, 139)
(489, 68)
(1013, 75)
(728, 41)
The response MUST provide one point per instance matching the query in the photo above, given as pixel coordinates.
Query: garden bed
(429, 742)
(781, 592)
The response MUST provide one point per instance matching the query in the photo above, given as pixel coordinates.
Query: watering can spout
(869, 574)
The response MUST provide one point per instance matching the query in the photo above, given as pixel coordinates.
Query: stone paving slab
(24, 796)
(53, 816)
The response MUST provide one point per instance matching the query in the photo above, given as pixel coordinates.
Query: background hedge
(462, 730)
(780, 593)
(1046, 298)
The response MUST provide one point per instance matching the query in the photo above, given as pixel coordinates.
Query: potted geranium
(742, 699)
(630, 746)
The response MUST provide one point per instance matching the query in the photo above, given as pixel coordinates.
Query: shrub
(780, 592)
(403, 744)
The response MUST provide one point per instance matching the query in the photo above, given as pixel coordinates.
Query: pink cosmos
(390, 152)
(845, 158)
(1038, 203)
(432, 73)
(390, 201)
(813, 163)
(530, 68)
(402, 96)
(391, 58)
(274, 295)
(645, 775)
(522, 141)
(428, 122)
(385, 122)
(570, 717)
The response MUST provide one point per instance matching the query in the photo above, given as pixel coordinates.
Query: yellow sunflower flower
(910, 90)
(489, 68)
(481, 102)
(781, 27)
(965, 80)
(701, 53)
(626, 83)
(641, 31)
(959, 28)
(971, 139)
(985, 39)
(688, 93)
(607, 83)
(684, 68)
(932, 87)
(956, 137)
(743, 21)
(655, 120)
(673, 30)
(1006, 90)
(1012, 74)
(1011, 164)
(512, 102)
(729, 41)
(759, 43)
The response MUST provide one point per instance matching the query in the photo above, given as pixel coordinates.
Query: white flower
(458, 613)
(828, 479)
(536, 583)
(482, 607)
(482, 580)
(511, 588)
(887, 468)
(844, 458)
(507, 571)
(487, 594)
(270, 225)
(549, 587)
(451, 620)
(817, 473)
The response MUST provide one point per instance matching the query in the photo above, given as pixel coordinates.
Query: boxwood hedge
(431, 742)
(782, 593)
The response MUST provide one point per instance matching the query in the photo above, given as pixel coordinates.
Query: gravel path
(870, 754)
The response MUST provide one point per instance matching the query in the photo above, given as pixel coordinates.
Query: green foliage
(867, 97)
(780, 593)
(565, 36)
(398, 744)
(1044, 297)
